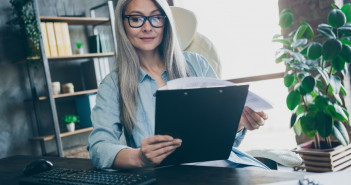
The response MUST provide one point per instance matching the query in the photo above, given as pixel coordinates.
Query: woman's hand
(251, 120)
(156, 148)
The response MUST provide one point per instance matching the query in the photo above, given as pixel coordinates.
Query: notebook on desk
(206, 119)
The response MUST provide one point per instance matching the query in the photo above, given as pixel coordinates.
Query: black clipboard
(206, 119)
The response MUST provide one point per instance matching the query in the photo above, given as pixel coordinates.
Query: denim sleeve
(103, 142)
(239, 137)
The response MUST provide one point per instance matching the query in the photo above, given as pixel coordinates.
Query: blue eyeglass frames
(137, 21)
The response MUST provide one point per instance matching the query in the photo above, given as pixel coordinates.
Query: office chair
(191, 40)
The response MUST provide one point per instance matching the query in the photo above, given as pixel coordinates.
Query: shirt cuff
(104, 154)
(239, 137)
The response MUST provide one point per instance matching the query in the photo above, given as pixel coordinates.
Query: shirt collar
(142, 75)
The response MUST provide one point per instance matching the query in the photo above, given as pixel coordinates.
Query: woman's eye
(136, 19)
(156, 19)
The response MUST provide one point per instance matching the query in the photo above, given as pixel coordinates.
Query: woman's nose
(147, 26)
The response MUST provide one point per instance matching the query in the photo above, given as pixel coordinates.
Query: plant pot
(70, 127)
(324, 160)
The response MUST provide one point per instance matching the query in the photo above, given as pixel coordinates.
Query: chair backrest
(191, 40)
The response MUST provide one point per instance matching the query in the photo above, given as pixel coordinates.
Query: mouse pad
(206, 119)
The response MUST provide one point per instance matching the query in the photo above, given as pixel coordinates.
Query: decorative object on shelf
(314, 76)
(70, 121)
(56, 88)
(79, 49)
(26, 19)
(68, 88)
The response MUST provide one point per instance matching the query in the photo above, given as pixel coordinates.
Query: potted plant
(25, 17)
(70, 121)
(315, 69)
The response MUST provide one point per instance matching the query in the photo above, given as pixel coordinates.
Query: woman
(148, 56)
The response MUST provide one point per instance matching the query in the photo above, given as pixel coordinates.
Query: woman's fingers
(254, 116)
(157, 147)
(254, 119)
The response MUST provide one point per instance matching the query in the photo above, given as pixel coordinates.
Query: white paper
(255, 102)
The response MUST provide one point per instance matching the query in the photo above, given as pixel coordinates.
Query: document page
(255, 102)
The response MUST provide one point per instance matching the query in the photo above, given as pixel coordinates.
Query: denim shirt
(104, 142)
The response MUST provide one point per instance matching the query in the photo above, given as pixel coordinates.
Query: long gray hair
(128, 63)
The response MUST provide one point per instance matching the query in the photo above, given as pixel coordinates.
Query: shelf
(71, 94)
(72, 57)
(65, 134)
(81, 56)
(77, 20)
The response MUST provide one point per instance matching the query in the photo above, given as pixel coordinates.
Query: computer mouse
(37, 166)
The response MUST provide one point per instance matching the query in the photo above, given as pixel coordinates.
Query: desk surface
(11, 172)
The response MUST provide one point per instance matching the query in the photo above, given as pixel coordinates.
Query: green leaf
(324, 75)
(286, 18)
(331, 48)
(338, 63)
(344, 31)
(304, 31)
(299, 43)
(293, 120)
(336, 18)
(308, 125)
(321, 102)
(280, 56)
(298, 128)
(308, 83)
(285, 42)
(346, 53)
(298, 56)
(347, 11)
(346, 41)
(300, 109)
(304, 49)
(337, 112)
(342, 90)
(340, 133)
(335, 84)
(289, 79)
(326, 31)
(293, 99)
(299, 89)
(324, 124)
(335, 6)
(308, 32)
(314, 50)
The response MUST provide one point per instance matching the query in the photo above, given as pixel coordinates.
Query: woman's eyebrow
(141, 13)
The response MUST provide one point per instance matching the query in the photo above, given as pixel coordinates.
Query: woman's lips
(147, 39)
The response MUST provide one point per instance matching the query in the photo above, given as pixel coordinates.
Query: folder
(51, 39)
(66, 39)
(59, 39)
(44, 35)
(206, 119)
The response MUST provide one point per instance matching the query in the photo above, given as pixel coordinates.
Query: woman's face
(146, 37)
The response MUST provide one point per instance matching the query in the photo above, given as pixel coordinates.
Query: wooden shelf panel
(81, 56)
(65, 134)
(77, 20)
(71, 94)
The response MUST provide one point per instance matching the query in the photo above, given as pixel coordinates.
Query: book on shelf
(66, 39)
(105, 43)
(44, 35)
(51, 39)
(94, 44)
(59, 39)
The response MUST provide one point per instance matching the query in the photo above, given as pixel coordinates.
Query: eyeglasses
(137, 21)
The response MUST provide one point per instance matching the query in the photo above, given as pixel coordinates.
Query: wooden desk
(11, 171)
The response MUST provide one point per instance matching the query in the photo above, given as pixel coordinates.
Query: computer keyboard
(80, 177)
